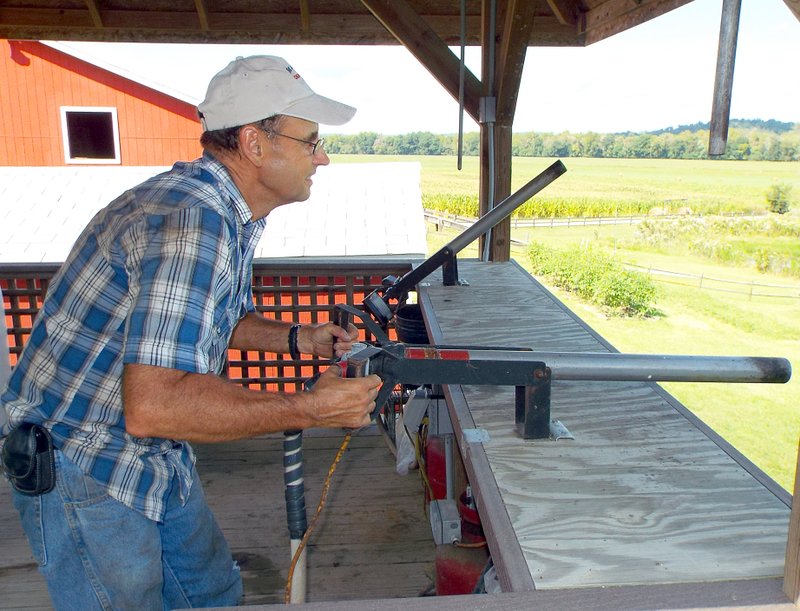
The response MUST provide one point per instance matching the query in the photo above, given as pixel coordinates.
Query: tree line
(747, 140)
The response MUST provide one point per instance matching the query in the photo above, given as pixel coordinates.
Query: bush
(596, 278)
(778, 198)
(626, 292)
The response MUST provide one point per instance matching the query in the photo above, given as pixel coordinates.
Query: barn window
(90, 134)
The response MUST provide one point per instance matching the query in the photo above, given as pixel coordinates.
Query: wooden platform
(645, 509)
(373, 540)
(644, 494)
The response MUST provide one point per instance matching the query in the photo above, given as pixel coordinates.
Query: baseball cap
(253, 88)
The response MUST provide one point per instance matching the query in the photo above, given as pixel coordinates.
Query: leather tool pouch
(28, 459)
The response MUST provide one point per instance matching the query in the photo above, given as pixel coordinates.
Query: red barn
(60, 110)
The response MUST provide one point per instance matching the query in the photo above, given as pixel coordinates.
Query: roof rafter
(564, 11)
(202, 14)
(97, 20)
(305, 16)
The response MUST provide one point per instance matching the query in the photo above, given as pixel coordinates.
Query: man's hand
(343, 402)
(326, 339)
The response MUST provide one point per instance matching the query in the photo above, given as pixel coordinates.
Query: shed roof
(372, 209)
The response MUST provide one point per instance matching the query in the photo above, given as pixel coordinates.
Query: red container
(458, 569)
(435, 468)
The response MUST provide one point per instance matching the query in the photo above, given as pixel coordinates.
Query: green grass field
(701, 184)
(704, 318)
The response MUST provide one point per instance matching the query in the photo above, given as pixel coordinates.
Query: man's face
(290, 161)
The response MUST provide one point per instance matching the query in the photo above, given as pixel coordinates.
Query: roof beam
(615, 16)
(174, 25)
(399, 18)
(97, 20)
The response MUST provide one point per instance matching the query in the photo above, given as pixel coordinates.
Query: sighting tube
(409, 281)
(612, 366)
(506, 207)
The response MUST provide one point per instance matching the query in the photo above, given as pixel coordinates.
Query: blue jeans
(97, 553)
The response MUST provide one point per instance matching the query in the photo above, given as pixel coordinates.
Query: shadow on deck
(372, 541)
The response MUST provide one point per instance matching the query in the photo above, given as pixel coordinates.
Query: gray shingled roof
(370, 209)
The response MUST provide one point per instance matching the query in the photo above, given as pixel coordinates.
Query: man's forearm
(161, 402)
(254, 332)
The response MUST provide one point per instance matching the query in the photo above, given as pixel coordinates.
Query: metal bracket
(532, 410)
(445, 522)
(475, 435)
(487, 109)
(450, 271)
(559, 431)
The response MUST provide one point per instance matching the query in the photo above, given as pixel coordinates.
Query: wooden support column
(512, 30)
(487, 188)
(723, 82)
(791, 568)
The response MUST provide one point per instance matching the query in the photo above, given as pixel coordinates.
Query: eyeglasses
(316, 146)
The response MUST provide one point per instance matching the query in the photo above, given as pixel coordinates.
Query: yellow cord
(288, 591)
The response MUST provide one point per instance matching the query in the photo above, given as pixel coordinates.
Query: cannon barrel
(377, 302)
(611, 366)
(506, 207)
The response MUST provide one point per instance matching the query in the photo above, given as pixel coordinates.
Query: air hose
(296, 514)
(295, 511)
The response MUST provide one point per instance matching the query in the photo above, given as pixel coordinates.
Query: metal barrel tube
(506, 207)
(609, 366)
(407, 283)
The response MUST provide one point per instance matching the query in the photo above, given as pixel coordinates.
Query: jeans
(97, 553)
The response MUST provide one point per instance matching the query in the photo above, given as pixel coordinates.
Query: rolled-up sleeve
(182, 292)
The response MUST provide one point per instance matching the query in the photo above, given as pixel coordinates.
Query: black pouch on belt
(28, 459)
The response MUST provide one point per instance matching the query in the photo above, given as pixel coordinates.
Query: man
(121, 368)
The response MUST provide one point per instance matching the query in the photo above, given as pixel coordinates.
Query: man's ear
(250, 145)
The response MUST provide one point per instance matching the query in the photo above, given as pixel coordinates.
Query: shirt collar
(243, 213)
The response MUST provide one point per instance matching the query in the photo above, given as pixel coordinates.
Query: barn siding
(36, 80)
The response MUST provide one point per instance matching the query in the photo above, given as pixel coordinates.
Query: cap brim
(319, 109)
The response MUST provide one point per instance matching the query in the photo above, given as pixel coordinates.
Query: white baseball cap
(253, 88)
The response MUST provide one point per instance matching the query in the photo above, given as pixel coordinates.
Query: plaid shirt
(159, 277)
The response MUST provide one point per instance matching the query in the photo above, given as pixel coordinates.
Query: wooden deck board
(373, 540)
(640, 496)
(755, 595)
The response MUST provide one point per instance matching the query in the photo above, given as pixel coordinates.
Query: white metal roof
(364, 209)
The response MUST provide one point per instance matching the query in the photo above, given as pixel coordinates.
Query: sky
(657, 75)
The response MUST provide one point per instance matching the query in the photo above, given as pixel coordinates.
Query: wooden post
(791, 568)
(723, 82)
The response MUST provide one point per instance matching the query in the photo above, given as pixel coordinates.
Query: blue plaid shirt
(159, 277)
